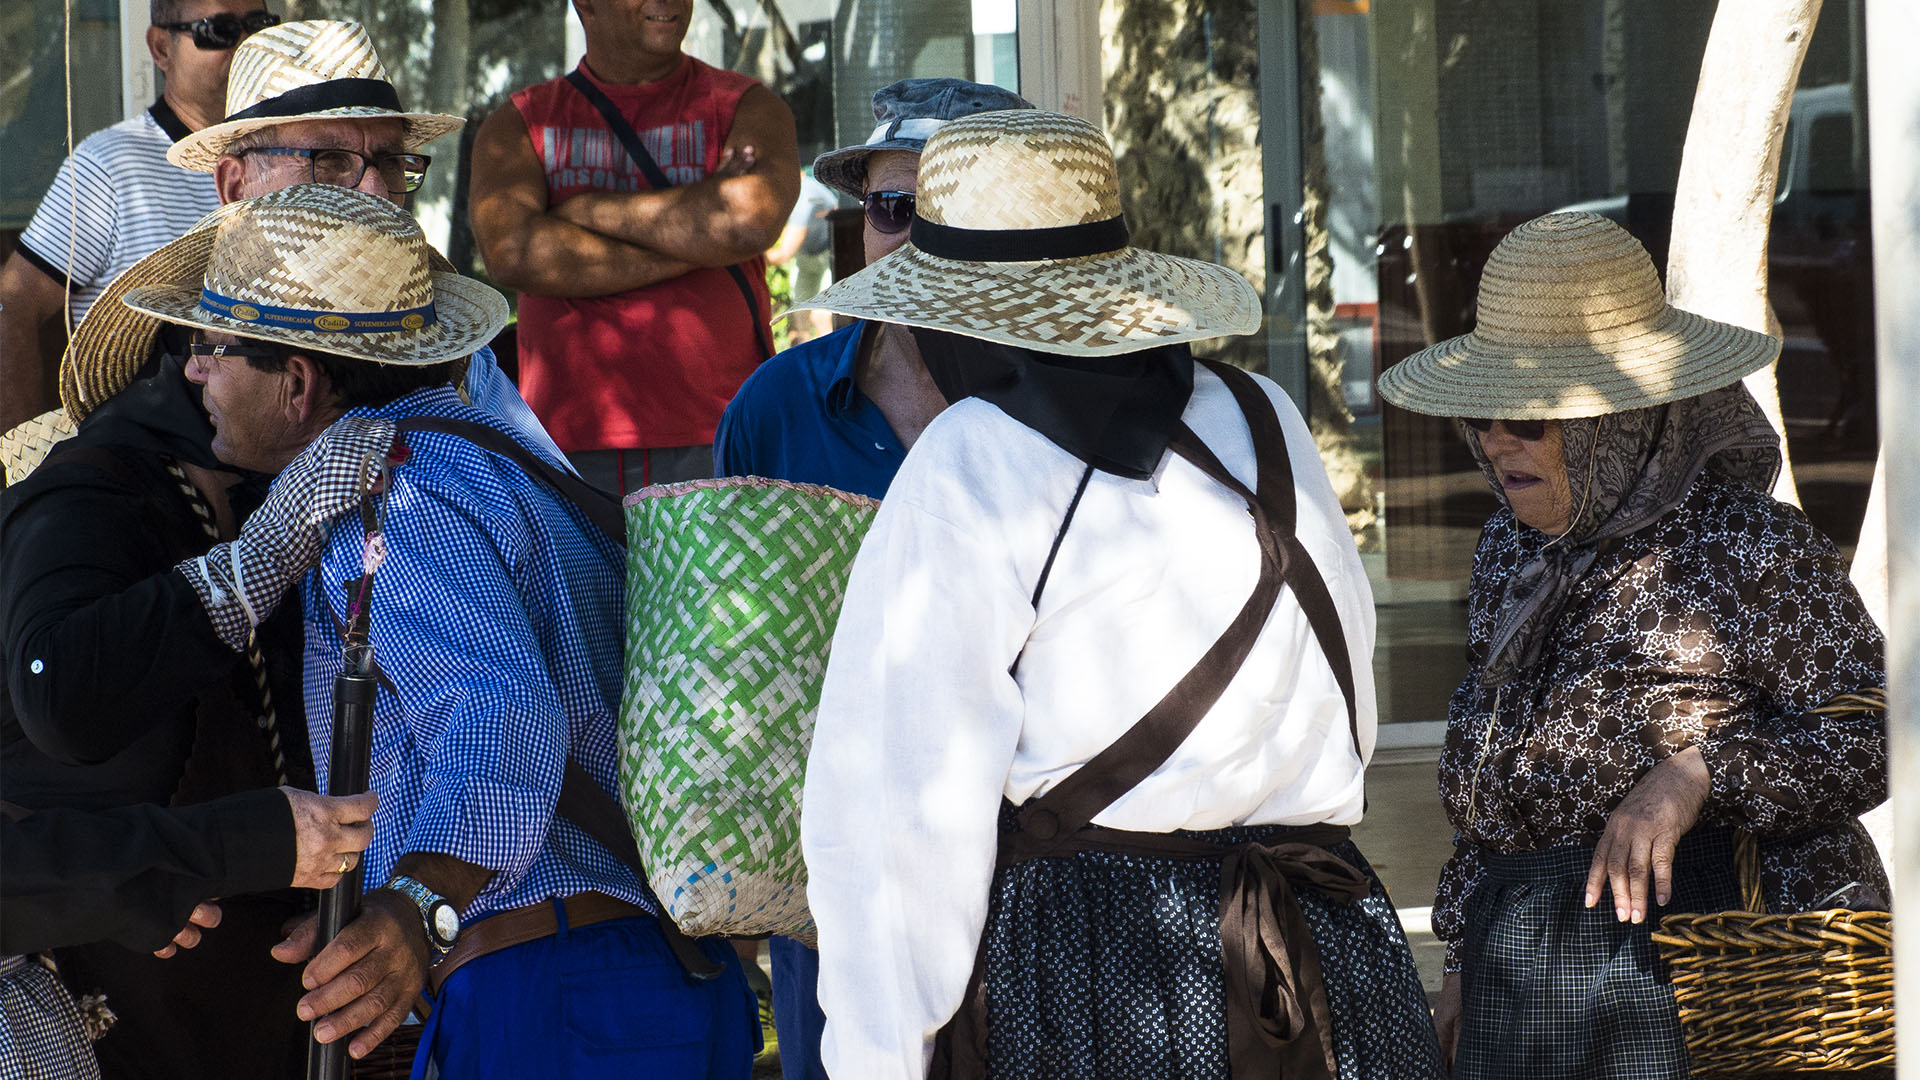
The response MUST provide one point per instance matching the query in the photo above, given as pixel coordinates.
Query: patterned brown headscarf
(1641, 463)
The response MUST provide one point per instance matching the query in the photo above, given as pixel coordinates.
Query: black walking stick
(350, 761)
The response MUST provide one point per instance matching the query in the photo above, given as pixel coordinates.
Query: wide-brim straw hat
(1572, 321)
(1018, 238)
(313, 70)
(332, 269)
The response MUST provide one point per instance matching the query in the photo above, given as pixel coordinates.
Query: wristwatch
(436, 912)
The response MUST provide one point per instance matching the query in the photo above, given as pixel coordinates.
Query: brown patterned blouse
(1719, 625)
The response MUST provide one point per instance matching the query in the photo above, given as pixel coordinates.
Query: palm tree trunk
(1717, 266)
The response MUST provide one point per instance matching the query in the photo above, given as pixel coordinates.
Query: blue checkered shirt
(497, 616)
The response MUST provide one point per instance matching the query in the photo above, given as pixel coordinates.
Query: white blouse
(922, 730)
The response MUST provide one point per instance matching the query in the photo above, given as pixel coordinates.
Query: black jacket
(118, 692)
(107, 650)
(132, 874)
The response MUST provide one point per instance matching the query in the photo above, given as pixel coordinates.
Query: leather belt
(524, 924)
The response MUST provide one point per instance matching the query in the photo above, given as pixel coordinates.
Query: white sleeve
(918, 722)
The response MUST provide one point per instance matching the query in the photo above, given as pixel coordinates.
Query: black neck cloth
(1116, 413)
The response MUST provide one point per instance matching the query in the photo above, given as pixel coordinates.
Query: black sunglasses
(344, 168)
(225, 30)
(888, 211)
(1524, 430)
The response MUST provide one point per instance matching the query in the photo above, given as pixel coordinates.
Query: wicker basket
(1804, 993)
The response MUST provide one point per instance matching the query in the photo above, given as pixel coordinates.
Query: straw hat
(329, 268)
(314, 70)
(1573, 322)
(1018, 238)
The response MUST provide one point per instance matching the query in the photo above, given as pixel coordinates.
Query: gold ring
(346, 863)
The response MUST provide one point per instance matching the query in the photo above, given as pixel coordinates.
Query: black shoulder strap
(582, 800)
(622, 130)
(657, 179)
(602, 508)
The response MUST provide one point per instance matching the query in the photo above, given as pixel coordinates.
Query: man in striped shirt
(116, 198)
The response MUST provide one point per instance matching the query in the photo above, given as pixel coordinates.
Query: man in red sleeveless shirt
(643, 298)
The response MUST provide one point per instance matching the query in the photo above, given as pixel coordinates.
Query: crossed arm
(600, 243)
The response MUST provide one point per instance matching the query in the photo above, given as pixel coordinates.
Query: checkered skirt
(1103, 965)
(41, 1035)
(1551, 988)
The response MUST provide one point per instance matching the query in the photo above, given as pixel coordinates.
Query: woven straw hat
(336, 270)
(1018, 238)
(314, 70)
(1573, 322)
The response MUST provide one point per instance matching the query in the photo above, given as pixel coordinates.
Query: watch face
(446, 923)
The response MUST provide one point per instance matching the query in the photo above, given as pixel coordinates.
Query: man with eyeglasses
(310, 102)
(841, 410)
(116, 198)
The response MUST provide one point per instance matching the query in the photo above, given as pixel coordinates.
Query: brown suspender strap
(1277, 1012)
(1075, 801)
(1302, 576)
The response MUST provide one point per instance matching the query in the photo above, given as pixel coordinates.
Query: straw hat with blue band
(310, 70)
(1018, 238)
(328, 268)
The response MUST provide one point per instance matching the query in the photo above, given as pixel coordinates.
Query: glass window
(1360, 161)
(33, 93)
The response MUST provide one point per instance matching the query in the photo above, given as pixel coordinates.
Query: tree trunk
(1717, 266)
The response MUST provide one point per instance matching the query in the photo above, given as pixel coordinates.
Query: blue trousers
(796, 1008)
(607, 1000)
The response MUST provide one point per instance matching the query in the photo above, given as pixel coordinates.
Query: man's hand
(204, 915)
(365, 980)
(1643, 832)
(330, 833)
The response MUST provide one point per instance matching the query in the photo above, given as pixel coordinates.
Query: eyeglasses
(889, 211)
(344, 168)
(204, 350)
(225, 30)
(1524, 430)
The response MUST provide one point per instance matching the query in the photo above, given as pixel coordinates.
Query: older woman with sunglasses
(1649, 636)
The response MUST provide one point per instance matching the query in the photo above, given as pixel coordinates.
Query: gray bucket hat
(908, 112)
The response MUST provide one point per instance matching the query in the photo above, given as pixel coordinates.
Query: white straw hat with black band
(1572, 322)
(326, 268)
(1018, 238)
(311, 70)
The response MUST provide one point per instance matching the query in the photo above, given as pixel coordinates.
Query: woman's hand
(1446, 1017)
(1644, 831)
(330, 835)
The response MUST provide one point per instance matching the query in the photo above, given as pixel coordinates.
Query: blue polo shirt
(801, 418)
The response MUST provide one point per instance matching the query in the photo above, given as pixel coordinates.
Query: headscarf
(1116, 413)
(1625, 471)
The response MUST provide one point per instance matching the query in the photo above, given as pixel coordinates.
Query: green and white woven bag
(733, 589)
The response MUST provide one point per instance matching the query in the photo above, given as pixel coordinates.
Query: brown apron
(1277, 1017)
